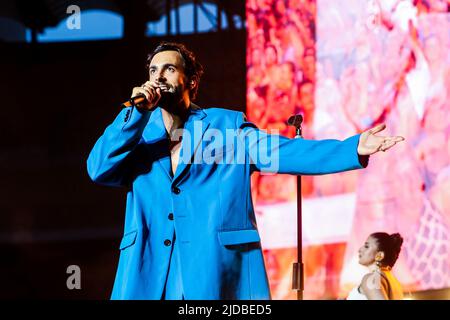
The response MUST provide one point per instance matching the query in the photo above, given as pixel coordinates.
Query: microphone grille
(295, 120)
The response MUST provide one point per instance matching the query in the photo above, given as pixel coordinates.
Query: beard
(167, 98)
(171, 96)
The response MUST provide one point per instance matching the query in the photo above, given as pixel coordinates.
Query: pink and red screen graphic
(347, 66)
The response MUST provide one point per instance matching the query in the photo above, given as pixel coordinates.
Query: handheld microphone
(296, 121)
(140, 98)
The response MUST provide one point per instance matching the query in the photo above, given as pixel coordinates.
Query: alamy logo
(74, 20)
(74, 280)
(230, 147)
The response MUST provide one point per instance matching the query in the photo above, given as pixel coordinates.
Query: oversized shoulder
(220, 117)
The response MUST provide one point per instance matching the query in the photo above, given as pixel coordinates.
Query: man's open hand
(370, 143)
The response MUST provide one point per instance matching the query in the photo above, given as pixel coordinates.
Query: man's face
(167, 72)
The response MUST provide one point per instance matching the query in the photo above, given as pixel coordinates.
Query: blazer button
(176, 190)
(170, 216)
(167, 242)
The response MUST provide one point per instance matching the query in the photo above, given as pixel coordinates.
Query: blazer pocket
(128, 240)
(228, 238)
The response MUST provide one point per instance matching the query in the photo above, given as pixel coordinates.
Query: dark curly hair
(192, 68)
(390, 245)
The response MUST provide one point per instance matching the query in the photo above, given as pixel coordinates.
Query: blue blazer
(209, 196)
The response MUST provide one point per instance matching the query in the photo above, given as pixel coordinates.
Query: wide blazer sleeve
(272, 153)
(107, 161)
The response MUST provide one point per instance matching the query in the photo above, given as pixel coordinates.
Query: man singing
(190, 230)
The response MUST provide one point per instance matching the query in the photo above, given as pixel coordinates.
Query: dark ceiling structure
(40, 14)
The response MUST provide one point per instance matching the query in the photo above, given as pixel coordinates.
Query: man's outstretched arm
(277, 154)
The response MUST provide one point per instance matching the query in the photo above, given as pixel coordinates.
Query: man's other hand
(370, 143)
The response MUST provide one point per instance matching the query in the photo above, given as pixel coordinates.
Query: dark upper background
(57, 99)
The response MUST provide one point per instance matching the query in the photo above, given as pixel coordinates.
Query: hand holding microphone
(145, 97)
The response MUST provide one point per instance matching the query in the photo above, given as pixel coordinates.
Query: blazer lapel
(155, 133)
(194, 129)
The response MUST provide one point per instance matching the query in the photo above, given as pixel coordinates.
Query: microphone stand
(298, 270)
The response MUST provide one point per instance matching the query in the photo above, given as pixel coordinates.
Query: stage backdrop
(347, 68)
